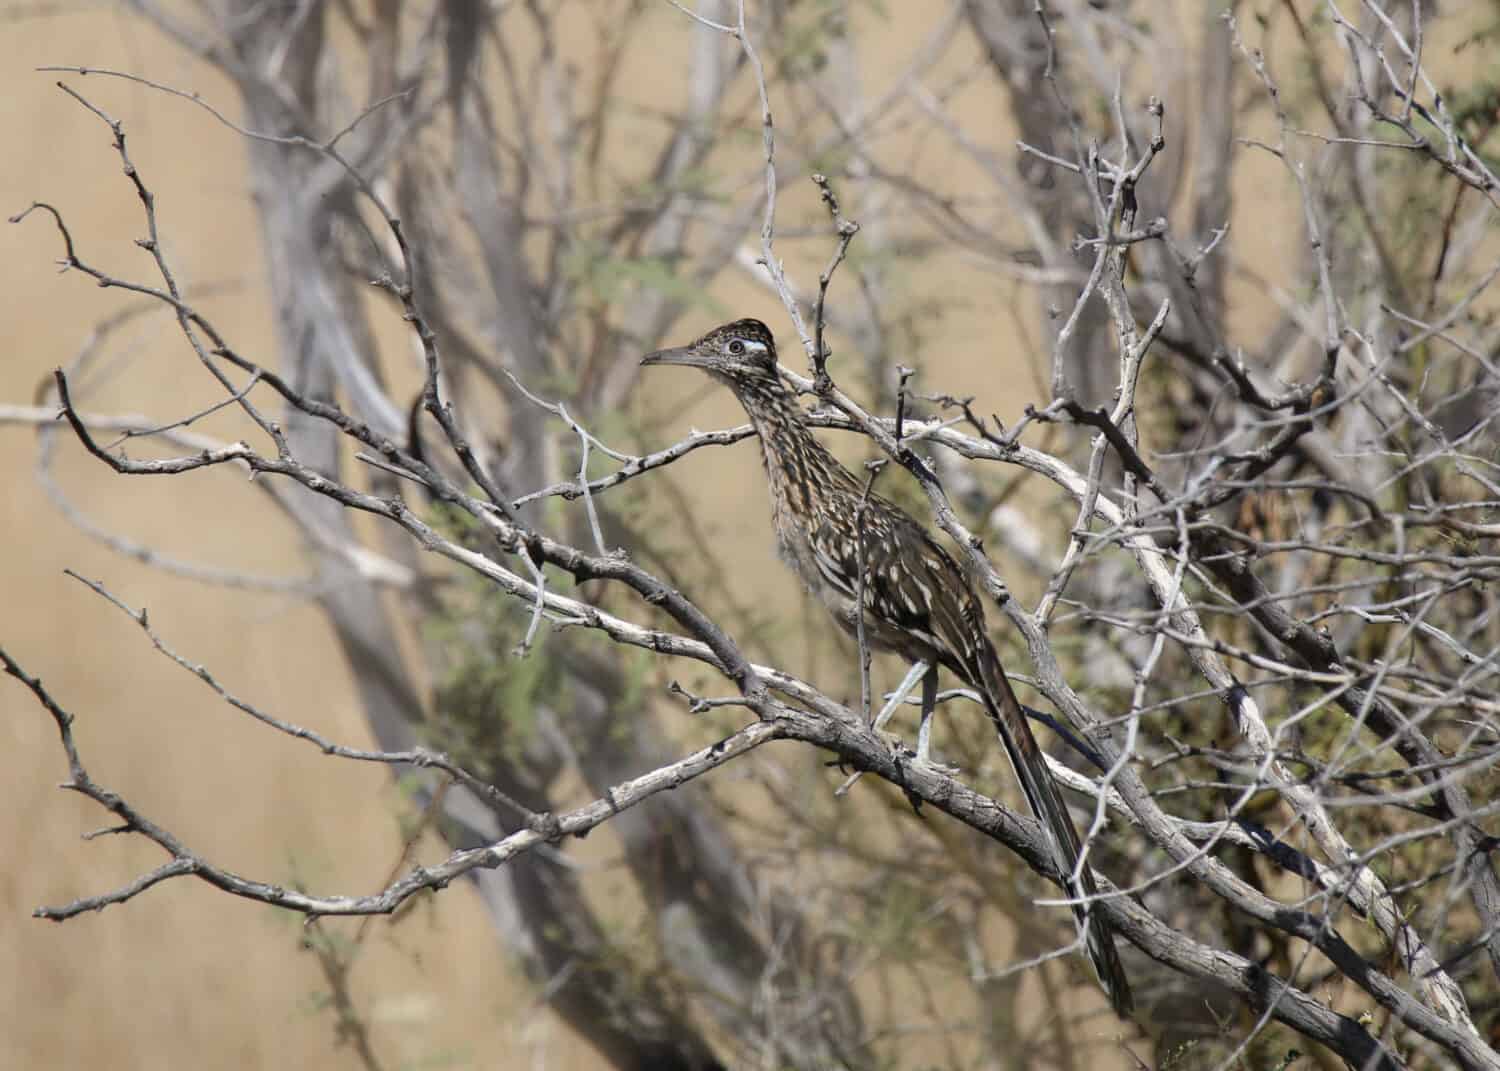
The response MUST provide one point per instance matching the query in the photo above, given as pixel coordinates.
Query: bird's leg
(929, 703)
(918, 669)
(902, 691)
(924, 731)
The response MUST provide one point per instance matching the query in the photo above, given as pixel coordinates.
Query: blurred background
(580, 183)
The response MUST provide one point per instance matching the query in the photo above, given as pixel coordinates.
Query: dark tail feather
(1041, 793)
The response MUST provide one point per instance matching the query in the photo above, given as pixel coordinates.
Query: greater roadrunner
(918, 602)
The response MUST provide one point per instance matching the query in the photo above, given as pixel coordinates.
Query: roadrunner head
(736, 353)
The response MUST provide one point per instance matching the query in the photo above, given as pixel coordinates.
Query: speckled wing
(912, 586)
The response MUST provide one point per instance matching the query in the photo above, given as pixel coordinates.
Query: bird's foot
(899, 749)
(944, 768)
(924, 756)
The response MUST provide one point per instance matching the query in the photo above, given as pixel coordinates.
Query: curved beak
(676, 355)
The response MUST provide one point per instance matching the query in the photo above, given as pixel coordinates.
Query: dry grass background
(184, 975)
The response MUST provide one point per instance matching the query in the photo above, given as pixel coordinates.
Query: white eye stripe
(747, 345)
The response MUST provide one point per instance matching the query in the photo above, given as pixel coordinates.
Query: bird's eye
(736, 347)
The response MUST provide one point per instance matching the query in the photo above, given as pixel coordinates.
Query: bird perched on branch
(917, 601)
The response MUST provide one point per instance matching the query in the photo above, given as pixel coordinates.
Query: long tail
(1041, 793)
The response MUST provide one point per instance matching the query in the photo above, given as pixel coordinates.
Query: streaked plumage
(918, 602)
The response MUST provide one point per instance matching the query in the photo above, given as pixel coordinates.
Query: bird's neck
(799, 467)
